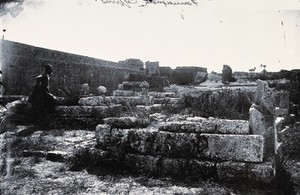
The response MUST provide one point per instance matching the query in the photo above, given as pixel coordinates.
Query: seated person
(41, 99)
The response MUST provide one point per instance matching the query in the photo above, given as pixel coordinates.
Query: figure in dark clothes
(1, 90)
(41, 99)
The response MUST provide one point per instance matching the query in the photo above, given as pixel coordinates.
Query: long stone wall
(21, 63)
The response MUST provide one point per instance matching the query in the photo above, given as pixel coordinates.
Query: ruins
(139, 125)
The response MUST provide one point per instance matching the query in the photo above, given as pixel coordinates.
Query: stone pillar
(145, 88)
(226, 74)
(261, 120)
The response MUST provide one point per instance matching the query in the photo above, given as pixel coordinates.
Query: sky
(209, 33)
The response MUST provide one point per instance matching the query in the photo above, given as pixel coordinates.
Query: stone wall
(21, 63)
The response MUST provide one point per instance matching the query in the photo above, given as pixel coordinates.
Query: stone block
(179, 127)
(173, 167)
(57, 156)
(177, 145)
(224, 126)
(247, 148)
(132, 140)
(261, 172)
(102, 135)
(91, 101)
(231, 170)
(262, 124)
(123, 93)
(149, 142)
(121, 122)
(201, 169)
(141, 141)
(236, 171)
(203, 125)
(142, 164)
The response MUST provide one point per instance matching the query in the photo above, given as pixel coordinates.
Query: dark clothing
(41, 99)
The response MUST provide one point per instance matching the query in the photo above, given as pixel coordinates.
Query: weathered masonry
(191, 147)
(21, 63)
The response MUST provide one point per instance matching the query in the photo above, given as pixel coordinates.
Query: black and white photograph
(193, 97)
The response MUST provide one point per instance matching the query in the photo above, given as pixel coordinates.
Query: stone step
(203, 125)
(125, 101)
(126, 122)
(247, 148)
(88, 111)
(147, 110)
(201, 169)
(72, 122)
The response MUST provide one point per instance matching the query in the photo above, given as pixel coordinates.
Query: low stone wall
(172, 149)
(63, 117)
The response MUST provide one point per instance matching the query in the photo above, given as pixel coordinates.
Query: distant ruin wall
(21, 63)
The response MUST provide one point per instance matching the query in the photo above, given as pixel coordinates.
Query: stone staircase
(210, 148)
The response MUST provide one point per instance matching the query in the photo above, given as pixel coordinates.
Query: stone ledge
(220, 126)
(248, 148)
(129, 100)
(126, 122)
(259, 172)
(73, 122)
(198, 169)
